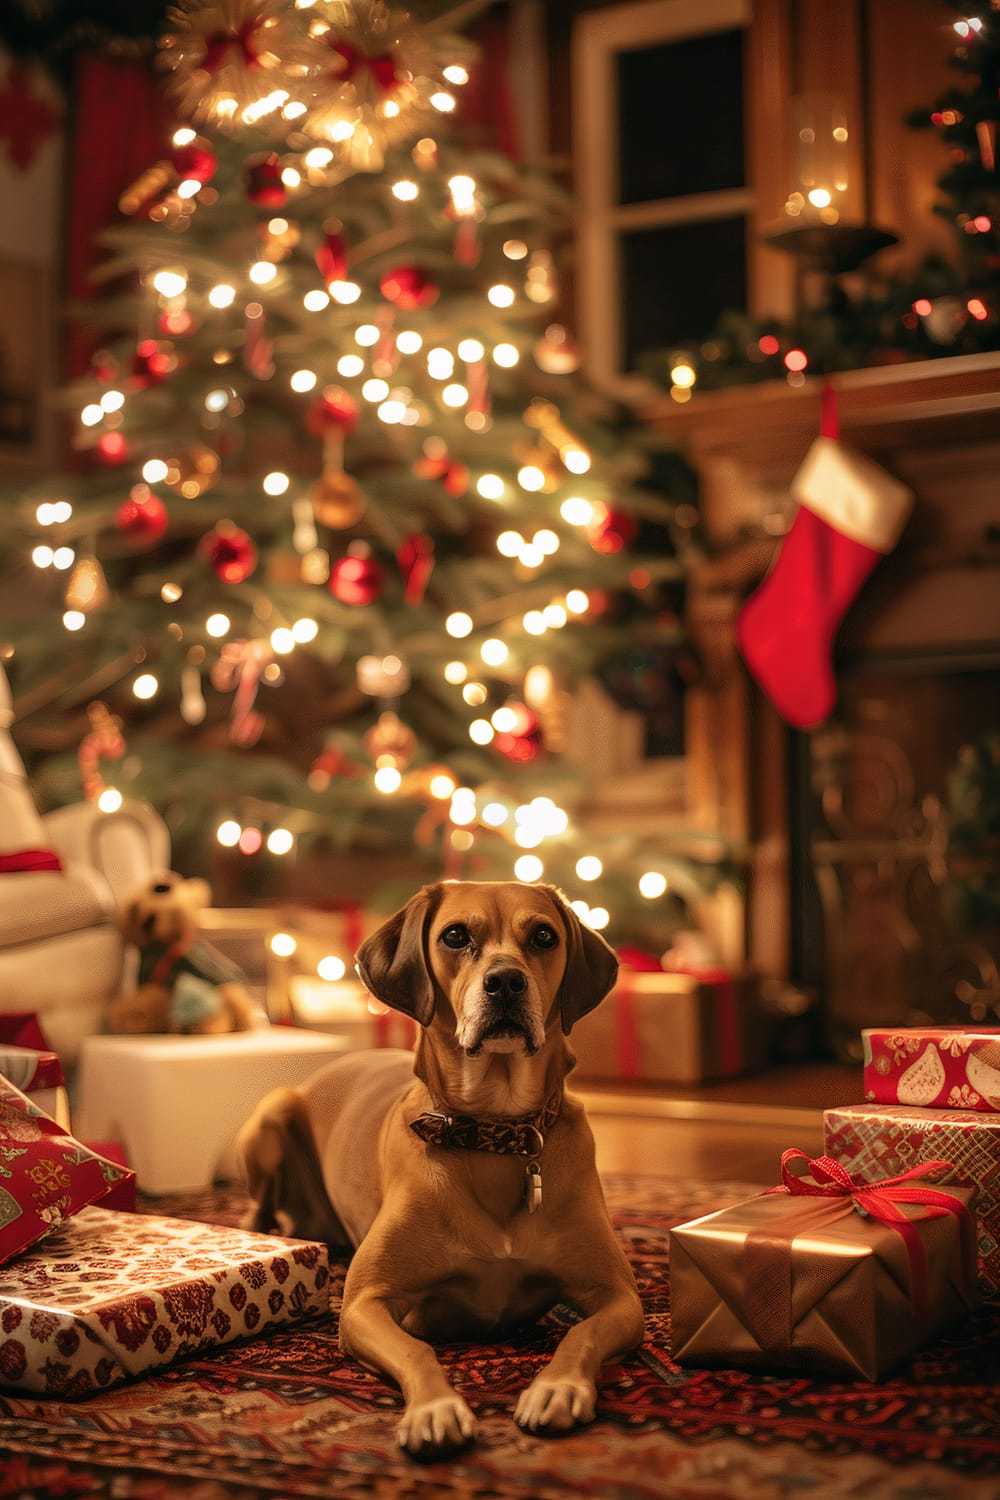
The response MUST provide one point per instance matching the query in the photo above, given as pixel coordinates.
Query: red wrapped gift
(112, 1295)
(822, 1273)
(880, 1140)
(20, 1028)
(40, 1074)
(939, 1067)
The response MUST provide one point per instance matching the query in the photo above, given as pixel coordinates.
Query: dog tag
(533, 1175)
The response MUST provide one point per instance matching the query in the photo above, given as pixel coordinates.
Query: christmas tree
(346, 526)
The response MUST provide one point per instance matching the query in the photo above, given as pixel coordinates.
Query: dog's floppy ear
(591, 966)
(392, 963)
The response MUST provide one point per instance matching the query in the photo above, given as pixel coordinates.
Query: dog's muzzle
(504, 1013)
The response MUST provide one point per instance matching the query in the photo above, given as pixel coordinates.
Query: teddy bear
(184, 984)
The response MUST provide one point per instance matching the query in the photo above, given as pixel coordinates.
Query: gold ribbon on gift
(831, 1192)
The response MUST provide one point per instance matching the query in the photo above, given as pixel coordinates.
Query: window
(658, 143)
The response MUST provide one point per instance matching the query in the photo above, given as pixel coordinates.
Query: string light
(480, 732)
(110, 799)
(228, 834)
(505, 355)
(350, 365)
(217, 625)
(170, 284)
(145, 686)
(501, 295)
(315, 301)
(494, 652)
(409, 341)
(458, 624)
(303, 381)
(405, 190)
(275, 483)
(387, 779)
(222, 295)
(589, 867)
(455, 673)
(331, 968)
(367, 335)
(280, 841)
(528, 868)
(282, 641)
(262, 272)
(74, 619)
(92, 414)
(490, 486)
(494, 815)
(283, 945)
(652, 884)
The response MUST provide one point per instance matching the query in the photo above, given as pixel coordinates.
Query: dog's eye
(456, 936)
(544, 937)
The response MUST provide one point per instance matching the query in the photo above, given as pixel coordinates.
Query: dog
(462, 1175)
(184, 983)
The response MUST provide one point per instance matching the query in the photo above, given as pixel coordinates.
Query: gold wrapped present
(824, 1273)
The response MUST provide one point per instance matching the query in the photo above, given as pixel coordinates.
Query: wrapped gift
(673, 1028)
(325, 941)
(939, 1067)
(110, 1295)
(40, 1075)
(344, 1006)
(823, 1273)
(878, 1140)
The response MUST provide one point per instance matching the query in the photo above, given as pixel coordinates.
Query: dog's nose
(505, 984)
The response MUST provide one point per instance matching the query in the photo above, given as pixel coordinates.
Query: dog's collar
(524, 1137)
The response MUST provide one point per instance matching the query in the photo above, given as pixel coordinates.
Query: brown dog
(463, 1175)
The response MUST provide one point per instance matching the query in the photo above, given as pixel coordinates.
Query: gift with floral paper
(823, 1273)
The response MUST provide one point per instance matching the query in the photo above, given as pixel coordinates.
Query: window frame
(599, 36)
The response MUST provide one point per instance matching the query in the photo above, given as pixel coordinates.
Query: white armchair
(61, 955)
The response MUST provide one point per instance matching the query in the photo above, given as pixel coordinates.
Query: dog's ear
(392, 963)
(591, 966)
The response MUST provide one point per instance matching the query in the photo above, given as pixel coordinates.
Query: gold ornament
(194, 472)
(390, 741)
(372, 75)
(337, 500)
(228, 61)
(86, 587)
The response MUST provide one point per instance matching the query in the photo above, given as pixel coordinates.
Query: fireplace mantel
(935, 425)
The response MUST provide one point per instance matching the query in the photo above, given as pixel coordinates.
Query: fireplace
(873, 842)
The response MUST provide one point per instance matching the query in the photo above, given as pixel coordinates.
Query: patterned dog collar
(504, 1137)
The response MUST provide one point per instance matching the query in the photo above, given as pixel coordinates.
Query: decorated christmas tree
(345, 528)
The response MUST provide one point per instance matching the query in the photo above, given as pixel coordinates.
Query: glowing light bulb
(575, 460)
(546, 541)
(455, 672)
(305, 630)
(409, 341)
(576, 511)
(456, 74)
(331, 968)
(350, 365)
(443, 102)
(474, 694)
(504, 720)
(440, 364)
(217, 625)
(531, 556)
(494, 652)
(490, 486)
(282, 641)
(405, 190)
(318, 158)
(262, 272)
(275, 483)
(315, 301)
(392, 412)
(222, 295)
(110, 799)
(145, 686)
(387, 780)
(154, 471)
(228, 834)
(63, 558)
(652, 884)
(683, 375)
(344, 292)
(494, 815)
(112, 401)
(577, 602)
(598, 918)
(74, 619)
(42, 557)
(510, 543)
(375, 390)
(528, 867)
(469, 349)
(367, 335)
(480, 731)
(92, 414)
(530, 478)
(459, 624)
(589, 867)
(534, 622)
(283, 945)
(454, 395)
(303, 380)
(442, 786)
(501, 295)
(170, 284)
(506, 356)
(280, 841)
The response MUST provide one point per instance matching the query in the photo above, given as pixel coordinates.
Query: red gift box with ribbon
(673, 1027)
(824, 1273)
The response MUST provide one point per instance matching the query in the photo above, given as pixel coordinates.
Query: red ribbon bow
(382, 66)
(825, 1178)
(218, 43)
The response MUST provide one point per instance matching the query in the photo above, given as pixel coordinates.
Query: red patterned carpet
(284, 1415)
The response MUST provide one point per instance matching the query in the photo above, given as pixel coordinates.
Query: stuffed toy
(184, 984)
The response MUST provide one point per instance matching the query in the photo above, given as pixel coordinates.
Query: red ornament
(143, 515)
(356, 579)
(112, 448)
(453, 475)
(612, 531)
(331, 258)
(195, 163)
(335, 411)
(230, 552)
(408, 287)
(264, 184)
(175, 320)
(524, 742)
(150, 364)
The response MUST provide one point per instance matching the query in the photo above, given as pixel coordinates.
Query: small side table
(176, 1103)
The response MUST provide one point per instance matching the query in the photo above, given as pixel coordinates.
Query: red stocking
(851, 512)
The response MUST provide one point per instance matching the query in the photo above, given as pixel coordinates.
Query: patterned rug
(285, 1415)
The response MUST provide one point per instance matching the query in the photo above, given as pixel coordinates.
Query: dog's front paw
(553, 1404)
(429, 1428)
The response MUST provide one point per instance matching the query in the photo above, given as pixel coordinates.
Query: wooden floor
(734, 1131)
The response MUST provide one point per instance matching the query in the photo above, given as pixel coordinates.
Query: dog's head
(164, 910)
(502, 956)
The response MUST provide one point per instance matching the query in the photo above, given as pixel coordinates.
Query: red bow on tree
(382, 66)
(218, 43)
